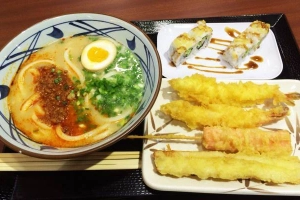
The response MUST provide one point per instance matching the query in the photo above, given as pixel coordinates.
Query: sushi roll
(189, 43)
(246, 43)
(202, 35)
(181, 48)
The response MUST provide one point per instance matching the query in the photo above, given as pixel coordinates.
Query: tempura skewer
(206, 90)
(219, 165)
(196, 117)
(250, 140)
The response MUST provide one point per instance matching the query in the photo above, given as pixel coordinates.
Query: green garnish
(121, 91)
(57, 80)
(93, 38)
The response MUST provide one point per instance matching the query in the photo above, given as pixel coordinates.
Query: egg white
(95, 66)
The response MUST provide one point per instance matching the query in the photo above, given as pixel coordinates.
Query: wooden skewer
(165, 137)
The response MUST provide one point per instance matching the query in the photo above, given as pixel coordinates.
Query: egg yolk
(96, 54)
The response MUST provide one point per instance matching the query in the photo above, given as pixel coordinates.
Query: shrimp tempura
(196, 117)
(206, 90)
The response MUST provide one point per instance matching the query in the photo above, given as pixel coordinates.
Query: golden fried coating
(231, 122)
(214, 164)
(250, 140)
(196, 117)
(206, 90)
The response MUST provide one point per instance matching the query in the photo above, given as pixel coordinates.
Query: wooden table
(16, 16)
(19, 15)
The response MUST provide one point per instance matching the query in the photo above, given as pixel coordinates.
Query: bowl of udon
(74, 84)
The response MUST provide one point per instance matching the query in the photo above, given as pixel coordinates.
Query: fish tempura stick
(206, 90)
(196, 117)
(232, 140)
(247, 140)
(214, 164)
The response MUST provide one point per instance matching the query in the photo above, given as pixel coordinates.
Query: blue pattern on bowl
(53, 29)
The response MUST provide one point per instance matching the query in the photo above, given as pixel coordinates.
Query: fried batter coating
(206, 90)
(250, 140)
(214, 164)
(196, 117)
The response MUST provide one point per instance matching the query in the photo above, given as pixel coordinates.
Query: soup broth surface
(55, 100)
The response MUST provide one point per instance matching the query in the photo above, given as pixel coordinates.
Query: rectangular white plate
(156, 122)
(269, 68)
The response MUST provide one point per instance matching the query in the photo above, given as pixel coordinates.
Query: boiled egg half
(98, 55)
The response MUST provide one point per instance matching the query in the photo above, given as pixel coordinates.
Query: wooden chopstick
(94, 161)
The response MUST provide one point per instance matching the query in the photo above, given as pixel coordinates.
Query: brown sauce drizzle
(199, 65)
(218, 72)
(219, 51)
(232, 32)
(172, 64)
(251, 65)
(257, 58)
(207, 58)
(220, 41)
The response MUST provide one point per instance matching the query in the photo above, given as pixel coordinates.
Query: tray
(129, 183)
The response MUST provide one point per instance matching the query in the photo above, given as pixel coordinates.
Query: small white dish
(269, 68)
(156, 122)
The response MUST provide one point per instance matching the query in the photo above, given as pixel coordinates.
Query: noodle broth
(55, 101)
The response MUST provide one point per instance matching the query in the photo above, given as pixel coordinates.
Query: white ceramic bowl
(50, 30)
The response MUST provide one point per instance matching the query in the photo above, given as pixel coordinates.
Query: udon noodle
(62, 97)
